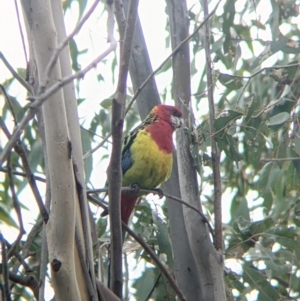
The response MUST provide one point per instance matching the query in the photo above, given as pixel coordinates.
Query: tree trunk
(208, 261)
(63, 149)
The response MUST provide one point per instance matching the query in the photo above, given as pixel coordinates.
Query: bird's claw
(135, 188)
(159, 192)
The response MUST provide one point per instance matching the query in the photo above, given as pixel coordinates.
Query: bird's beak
(177, 122)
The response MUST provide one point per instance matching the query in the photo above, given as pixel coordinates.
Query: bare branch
(138, 91)
(15, 74)
(29, 175)
(90, 152)
(98, 202)
(153, 256)
(79, 244)
(28, 281)
(101, 204)
(12, 252)
(15, 198)
(91, 285)
(279, 159)
(25, 249)
(6, 292)
(266, 68)
(211, 230)
(114, 171)
(215, 153)
(39, 100)
(62, 45)
(167, 58)
(7, 99)
(21, 32)
(23, 174)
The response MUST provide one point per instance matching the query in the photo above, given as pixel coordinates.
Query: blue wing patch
(126, 160)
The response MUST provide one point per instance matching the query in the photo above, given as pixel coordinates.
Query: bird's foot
(159, 192)
(135, 188)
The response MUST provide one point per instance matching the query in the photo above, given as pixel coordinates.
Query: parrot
(147, 157)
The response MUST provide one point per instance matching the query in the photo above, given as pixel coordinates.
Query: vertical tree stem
(214, 149)
(6, 292)
(115, 173)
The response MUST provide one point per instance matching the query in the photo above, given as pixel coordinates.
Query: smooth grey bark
(61, 226)
(70, 102)
(140, 68)
(208, 261)
(184, 265)
(185, 268)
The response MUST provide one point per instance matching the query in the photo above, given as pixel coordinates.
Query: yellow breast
(151, 166)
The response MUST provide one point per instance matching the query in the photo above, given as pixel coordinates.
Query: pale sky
(93, 37)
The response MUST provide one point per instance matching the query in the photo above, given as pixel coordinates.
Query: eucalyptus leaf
(278, 119)
(230, 82)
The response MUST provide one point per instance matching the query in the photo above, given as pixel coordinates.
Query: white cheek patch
(176, 122)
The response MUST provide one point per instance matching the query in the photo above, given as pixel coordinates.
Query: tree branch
(15, 199)
(28, 173)
(160, 265)
(21, 32)
(143, 85)
(114, 171)
(63, 44)
(25, 248)
(15, 74)
(6, 291)
(28, 281)
(279, 159)
(138, 91)
(40, 99)
(215, 153)
(23, 174)
(101, 204)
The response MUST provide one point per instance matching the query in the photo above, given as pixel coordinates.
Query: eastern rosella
(147, 154)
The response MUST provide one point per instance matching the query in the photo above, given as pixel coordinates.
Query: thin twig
(144, 244)
(6, 291)
(23, 174)
(92, 291)
(21, 259)
(63, 44)
(21, 32)
(89, 153)
(101, 203)
(14, 246)
(139, 89)
(15, 199)
(114, 171)
(160, 265)
(29, 175)
(30, 237)
(215, 153)
(279, 159)
(153, 287)
(7, 99)
(266, 68)
(89, 275)
(15, 74)
(31, 181)
(97, 202)
(204, 218)
(40, 99)
(256, 73)
(28, 281)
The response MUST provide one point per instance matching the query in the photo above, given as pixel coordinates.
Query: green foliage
(256, 129)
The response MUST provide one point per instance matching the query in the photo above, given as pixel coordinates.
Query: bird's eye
(176, 113)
